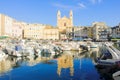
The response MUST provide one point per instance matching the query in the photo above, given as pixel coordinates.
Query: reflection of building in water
(5, 65)
(33, 61)
(94, 51)
(65, 61)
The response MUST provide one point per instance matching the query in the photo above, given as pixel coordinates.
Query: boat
(38, 52)
(28, 51)
(116, 75)
(45, 53)
(93, 45)
(66, 47)
(16, 54)
(2, 55)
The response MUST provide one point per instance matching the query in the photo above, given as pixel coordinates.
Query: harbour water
(69, 66)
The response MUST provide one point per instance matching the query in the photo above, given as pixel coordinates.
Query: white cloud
(61, 5)
(95, 1)
(81, 5)
(78, 6)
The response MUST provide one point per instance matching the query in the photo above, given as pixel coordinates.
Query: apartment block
(34, 31)
(116, 31)
(98, 28)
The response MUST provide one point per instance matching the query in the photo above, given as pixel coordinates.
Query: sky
(85, 12)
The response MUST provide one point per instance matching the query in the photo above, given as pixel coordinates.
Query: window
(64, 24)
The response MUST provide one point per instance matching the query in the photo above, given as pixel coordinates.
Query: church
(62, 30)
(64, 24)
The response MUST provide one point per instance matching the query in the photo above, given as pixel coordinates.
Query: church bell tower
(71, 17)
(58, 17)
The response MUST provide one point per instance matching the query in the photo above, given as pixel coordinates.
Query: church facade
(64, 24)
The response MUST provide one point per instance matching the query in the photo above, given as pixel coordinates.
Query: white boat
(116, 75)
(52, 52)
(28, 51)
(74, 46)
(38, 52)
(66, 47)
(93, 45)
(2, 55)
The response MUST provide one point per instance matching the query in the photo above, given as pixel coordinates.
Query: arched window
(64, 24)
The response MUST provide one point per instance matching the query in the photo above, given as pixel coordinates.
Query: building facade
(98, 28)
(50, 32)
(17, 29)
(82, 32)
(34, 31)
(64, 29)
(90, 32)
(64, 24)
(6, 24)
(106, 34)
(77, 33)
(116, 31)
(40, 31)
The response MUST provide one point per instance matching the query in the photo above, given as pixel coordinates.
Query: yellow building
(50, 32)
(5, 25)
(34, 31)
(40, 31)
(2, 24)
(66, 61)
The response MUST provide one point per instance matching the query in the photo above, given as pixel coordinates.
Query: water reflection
(65, 61)
(33, 61)
(5, 65)
(72, 65)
